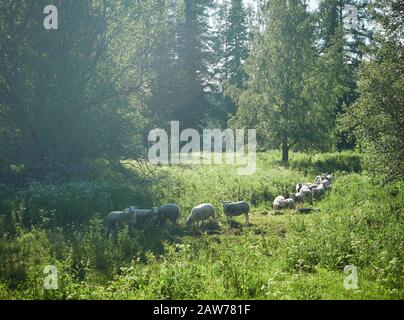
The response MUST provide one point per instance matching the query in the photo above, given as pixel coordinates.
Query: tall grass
(289, 256)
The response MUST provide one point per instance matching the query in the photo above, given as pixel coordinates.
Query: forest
(318, 86)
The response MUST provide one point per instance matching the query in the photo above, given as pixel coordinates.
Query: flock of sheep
(135, 217)
(305, 192)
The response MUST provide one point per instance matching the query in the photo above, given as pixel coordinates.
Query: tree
(72, 95)
(230, 49)
(194, 59)
(232, 35)
(377, 117)
(281, 73)
(347, 34)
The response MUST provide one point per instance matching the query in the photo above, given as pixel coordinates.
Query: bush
(347, 161)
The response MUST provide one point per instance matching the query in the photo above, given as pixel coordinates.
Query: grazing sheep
(169, 211)
(319, 192)
(326, 184)
(130, 217)
(232, 209)
(201, 213)
(144, 216)
(279, 203)
(319, 179)
(290, 203)
(307, 194)
(114, 217)
(299, 186)
(297, 197)
(329, 178)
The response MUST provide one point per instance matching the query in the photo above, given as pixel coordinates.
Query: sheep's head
(129, 211)
(189, 221)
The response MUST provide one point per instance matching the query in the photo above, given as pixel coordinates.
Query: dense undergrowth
(288, 256)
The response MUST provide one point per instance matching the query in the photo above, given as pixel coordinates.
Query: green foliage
(347, 161)
(282, 73)
(73, 202)
(377, 116)
(290, 256)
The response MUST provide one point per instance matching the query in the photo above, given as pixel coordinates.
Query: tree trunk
(285, 152)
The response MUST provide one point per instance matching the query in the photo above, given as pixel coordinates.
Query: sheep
(169, 211)
(307, 194)
(114, 217)
(326, 184)
(319, 179)
(329, 177)
(290, 203)
(232, 209)
(279, 203)
(200, 213)
(299, 186)
(319, 192)
(297, 197)
(144, 216)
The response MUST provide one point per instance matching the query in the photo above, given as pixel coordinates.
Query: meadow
(279, 256)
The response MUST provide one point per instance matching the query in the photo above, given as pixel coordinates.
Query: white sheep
(232, 209)
(307, 194)
(297, 197)
(201, 213)
(279, 203)
(114, 217)
(169, 211)
(144, 216)
(290, 203)
(311, 186)
(326, 184)
(319, 192)
(319, 179)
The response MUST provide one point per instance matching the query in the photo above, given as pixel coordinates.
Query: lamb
(329, 178)
(279, 203)
(114, 217)
(232, 209)
(201, 213)
(169, 211)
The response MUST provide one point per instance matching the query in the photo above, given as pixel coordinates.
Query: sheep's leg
(106, 231)
(247, 220)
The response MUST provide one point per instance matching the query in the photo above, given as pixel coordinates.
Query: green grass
(288, 256)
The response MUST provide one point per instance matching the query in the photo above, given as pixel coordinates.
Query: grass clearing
(287, 256)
